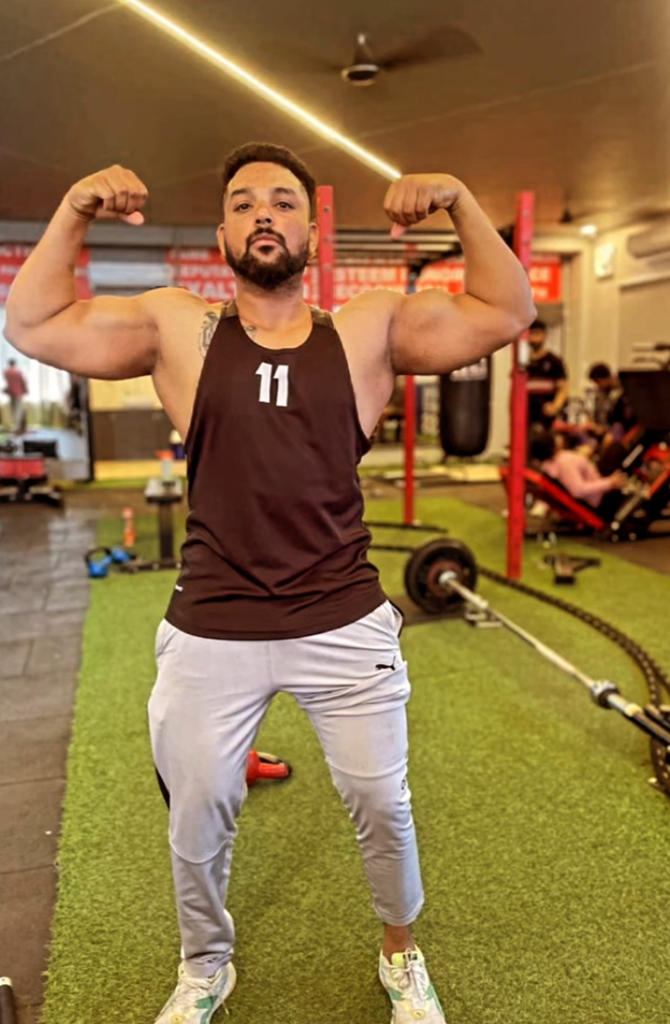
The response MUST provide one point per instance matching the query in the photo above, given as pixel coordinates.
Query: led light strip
(255, 84)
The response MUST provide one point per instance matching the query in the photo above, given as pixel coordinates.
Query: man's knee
(380, 806)
(203, 819)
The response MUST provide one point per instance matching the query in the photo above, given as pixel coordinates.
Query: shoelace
(412, 977)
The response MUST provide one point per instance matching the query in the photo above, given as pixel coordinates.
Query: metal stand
(165, 494)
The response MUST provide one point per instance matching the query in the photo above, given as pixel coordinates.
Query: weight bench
(24, 478)
(545, 488)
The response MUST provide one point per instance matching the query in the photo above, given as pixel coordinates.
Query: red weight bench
(544, 488)
(25, 478)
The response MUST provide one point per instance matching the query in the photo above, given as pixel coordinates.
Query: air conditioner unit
(653, 242)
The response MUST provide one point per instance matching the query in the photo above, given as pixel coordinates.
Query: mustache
(270, 234)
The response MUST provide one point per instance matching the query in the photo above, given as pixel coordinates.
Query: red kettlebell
(265, 766)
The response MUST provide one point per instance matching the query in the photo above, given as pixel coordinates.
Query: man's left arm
(562, 397)
(432, 332)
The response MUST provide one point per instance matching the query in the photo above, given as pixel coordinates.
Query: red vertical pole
(410, 438)
(409, 517)
(325, 213)
(516, 521)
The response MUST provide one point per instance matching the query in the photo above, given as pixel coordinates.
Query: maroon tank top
(275, 546)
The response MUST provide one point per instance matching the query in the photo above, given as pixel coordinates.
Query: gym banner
(14, 255)
(546, 274)
(204, 272)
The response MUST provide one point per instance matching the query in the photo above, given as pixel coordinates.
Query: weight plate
(426, 565)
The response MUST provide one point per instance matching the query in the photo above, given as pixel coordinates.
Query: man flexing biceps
(277, 399)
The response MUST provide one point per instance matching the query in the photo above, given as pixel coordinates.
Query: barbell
(440, 578)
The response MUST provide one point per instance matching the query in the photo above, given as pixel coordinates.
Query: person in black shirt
(612, 415)
(613, 418)
(547, 379)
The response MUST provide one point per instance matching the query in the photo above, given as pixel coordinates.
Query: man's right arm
(105, 337)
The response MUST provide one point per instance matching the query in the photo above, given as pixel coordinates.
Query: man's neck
(278, 310)
(539, 353)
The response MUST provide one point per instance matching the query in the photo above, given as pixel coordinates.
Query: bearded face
(266, 261)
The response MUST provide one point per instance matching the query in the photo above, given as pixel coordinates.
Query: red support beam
(409, 508)
(516, 520)
(410, 439)
(325, 213)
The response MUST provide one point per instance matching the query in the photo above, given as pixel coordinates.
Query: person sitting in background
(547, 379)
(578, 475)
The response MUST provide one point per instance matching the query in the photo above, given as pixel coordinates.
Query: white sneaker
(406, 980)
(196, 1000)
(539, 510)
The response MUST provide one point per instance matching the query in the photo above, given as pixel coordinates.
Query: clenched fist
(415, 196)
(113, 194)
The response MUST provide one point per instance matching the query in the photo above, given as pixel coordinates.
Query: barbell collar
(449, 580)
(603, 693)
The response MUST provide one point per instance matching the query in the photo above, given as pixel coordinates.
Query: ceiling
(571, 99)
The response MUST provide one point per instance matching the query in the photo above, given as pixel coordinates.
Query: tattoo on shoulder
(208, 326)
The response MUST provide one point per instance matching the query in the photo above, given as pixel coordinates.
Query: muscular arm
(103, 337)
(434, 333)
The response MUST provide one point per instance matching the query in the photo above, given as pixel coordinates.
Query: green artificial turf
(544, 849)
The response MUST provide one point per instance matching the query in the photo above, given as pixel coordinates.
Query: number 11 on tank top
(264, 371)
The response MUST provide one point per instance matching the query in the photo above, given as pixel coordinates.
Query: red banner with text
(203, 272)
(14, 255)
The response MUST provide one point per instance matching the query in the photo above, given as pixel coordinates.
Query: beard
(271, 274)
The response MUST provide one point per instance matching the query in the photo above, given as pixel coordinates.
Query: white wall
(609, 336)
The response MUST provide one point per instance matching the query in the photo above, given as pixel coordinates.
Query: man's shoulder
(174, 300)
(548, 365)
(375, 308)
(555, 361)
(569, 457)
(364, 328)
(178, 312)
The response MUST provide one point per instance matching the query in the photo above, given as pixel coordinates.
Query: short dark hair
(599, 371)
(542, 445)
(538, 325)
(267, 153)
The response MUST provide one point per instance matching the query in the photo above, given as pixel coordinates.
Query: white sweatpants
(206, 707)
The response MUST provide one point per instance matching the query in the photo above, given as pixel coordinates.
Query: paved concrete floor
(44, 594)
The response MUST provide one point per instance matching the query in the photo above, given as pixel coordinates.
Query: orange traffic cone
(128, 528)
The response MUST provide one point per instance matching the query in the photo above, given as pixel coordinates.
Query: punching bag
(465, 409)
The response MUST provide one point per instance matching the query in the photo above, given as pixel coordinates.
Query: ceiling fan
(443, 42)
